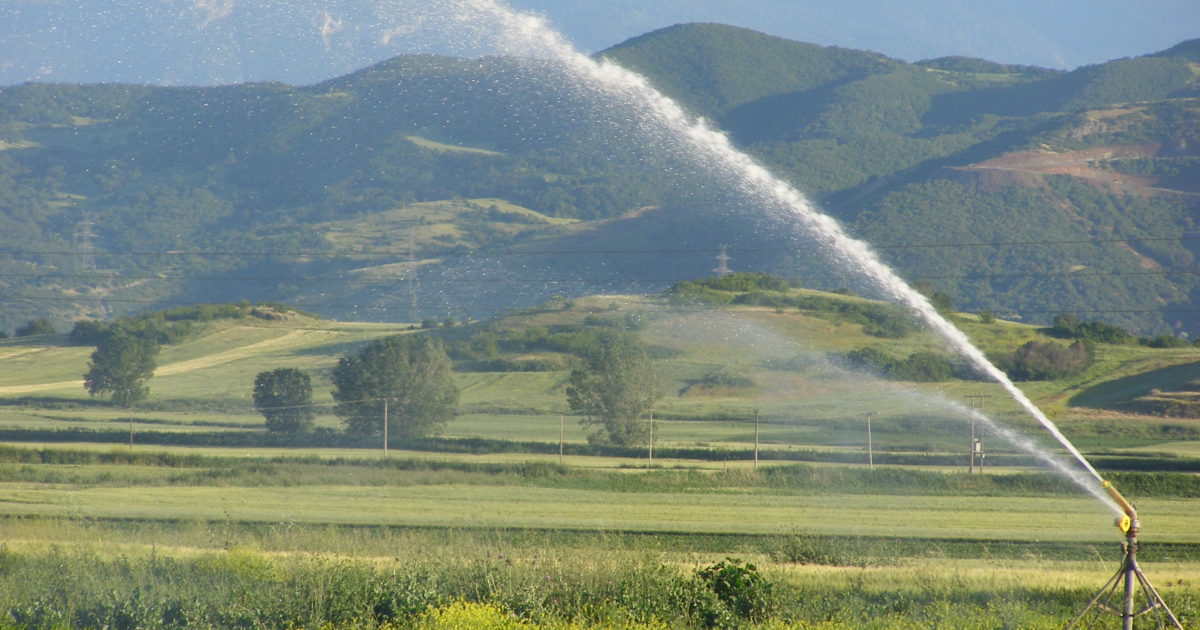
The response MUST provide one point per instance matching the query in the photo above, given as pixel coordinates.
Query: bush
(172, 325)
(1163, 341)
(547, 364)
(740, 587)
(923, 367)
(1071, 327)
(1044, 361)
(39, 326)
(806, 548)
(88, 332)
(737, 282)
(716, 380)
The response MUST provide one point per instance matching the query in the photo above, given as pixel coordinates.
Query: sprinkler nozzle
(1126, 521)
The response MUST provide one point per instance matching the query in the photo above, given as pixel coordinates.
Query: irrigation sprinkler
(1130, 577)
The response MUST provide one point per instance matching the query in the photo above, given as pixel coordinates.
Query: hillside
(1046, 191)
(721, 364)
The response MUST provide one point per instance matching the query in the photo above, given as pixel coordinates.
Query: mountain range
(430, 186)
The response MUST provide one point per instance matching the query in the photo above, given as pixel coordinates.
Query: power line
(577, 252)
(349, 280)
(668, 309)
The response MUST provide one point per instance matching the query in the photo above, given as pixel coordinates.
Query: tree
(1043, 361)
(614, 389)
(940, 300)
(121, 365)
(39, 326)
(410, 372)
(284, 397)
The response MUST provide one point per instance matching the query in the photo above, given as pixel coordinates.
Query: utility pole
(756, 439)
(560, 439)
(651, 459)
(385, 423)
(975, 452)
(870, 447)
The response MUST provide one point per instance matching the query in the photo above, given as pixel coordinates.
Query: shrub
(924, 367)
(39, 326)
(461, 614)
(545, 364)
(170, 326)
(1163, 341)
(1071, 327)
(88, 332)
(718, 379)
(738, 282)
(1043, 361)
(743, 590)
(807, 548)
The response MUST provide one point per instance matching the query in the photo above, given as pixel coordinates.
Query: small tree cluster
(614, 389)
(737, 282)
(121, 365)
(1071, 327)
(410, 374)
(39, 326)
(925, 367)
(284, 397)
(1044, 361)
(939, 299)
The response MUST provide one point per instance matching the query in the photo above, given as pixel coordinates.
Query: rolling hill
(793, 362)
(1018, 190)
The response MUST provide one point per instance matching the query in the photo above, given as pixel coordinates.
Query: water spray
(523, 35)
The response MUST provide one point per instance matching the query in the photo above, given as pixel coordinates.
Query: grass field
(323, 535)
(141, 538)
(500, 507)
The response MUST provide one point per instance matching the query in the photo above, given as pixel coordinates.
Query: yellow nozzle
(1126, 506)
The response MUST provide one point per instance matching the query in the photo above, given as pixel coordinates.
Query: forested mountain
(1043, 191)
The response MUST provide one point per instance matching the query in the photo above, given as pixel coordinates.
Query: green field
(205, 520)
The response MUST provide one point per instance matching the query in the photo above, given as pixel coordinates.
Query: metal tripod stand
(1129, 576)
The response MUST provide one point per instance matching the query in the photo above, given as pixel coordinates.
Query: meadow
(147, 539)
(184, 512)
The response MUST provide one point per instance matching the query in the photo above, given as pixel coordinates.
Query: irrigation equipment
(1125, 603)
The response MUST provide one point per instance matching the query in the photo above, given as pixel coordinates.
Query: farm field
(449, 504)
(835, 541)
(485, 524)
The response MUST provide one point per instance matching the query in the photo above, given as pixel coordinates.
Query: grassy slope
(355, 510)
(205, 382)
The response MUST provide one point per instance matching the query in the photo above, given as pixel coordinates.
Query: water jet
(661, 120)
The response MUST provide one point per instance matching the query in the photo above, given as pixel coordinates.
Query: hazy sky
(304, 41)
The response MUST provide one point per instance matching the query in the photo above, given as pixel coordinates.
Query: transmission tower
(723, 263)
(83, 241)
